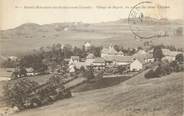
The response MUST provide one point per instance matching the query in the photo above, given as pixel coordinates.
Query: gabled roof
(99, 60)
(120, 53)
(87, 44)
(29, 70)
(78, 65)
(127, 59)
(119, 58)
(143, 57)
(109, 50)
(90, 56)
(141, 52)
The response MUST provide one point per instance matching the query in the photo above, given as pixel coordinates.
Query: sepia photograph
(91, 58)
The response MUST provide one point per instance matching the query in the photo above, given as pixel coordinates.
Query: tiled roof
(119, 58)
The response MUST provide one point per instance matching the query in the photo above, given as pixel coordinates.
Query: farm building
(98, 63)
(118, 60)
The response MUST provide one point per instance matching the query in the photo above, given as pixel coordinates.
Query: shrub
(150, 74)
(15, 91)
(89, 74)
(56, 79)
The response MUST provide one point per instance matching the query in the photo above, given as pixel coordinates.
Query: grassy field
(135, 97)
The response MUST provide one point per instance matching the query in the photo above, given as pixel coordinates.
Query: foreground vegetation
(24, 93)
(137, 96)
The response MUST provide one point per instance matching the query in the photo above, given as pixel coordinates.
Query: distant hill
(31, 36)
(32, 30)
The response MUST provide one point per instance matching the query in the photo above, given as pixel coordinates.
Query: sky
(13, 12)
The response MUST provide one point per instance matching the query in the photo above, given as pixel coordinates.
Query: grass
(134, 97)
(100, 83)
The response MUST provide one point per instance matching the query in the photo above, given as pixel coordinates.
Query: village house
(169, 55)
(110, 52)
(13, 58)
(71, 68)
(87, 46)
(74, 59)
(136, 65)
(89, 59)
(117, 60)
(30, 71)
(75, 63)
(144, 57)
(98, 63)
(131, 63)
(112, 59)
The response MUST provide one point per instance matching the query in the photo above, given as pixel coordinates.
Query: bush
(56, 80)
(89, 74)
(15, 91)
(150, 74)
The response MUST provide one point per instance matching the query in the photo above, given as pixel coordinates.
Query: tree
(9, 63)
(77, 52)
(96, 51)
(67, 51)
(116, 47)
(157, 53)
(16, 91)
(23, 71)
(179, 31)
(179, 58)
(150, 74)
(82, 69)
(121, 69)
(89, 74)
(173, 66)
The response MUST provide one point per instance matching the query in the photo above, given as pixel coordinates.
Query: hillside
(27, 37)
(135, 97)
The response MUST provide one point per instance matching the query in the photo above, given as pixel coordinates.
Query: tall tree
(117, 48)
(157, 53)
